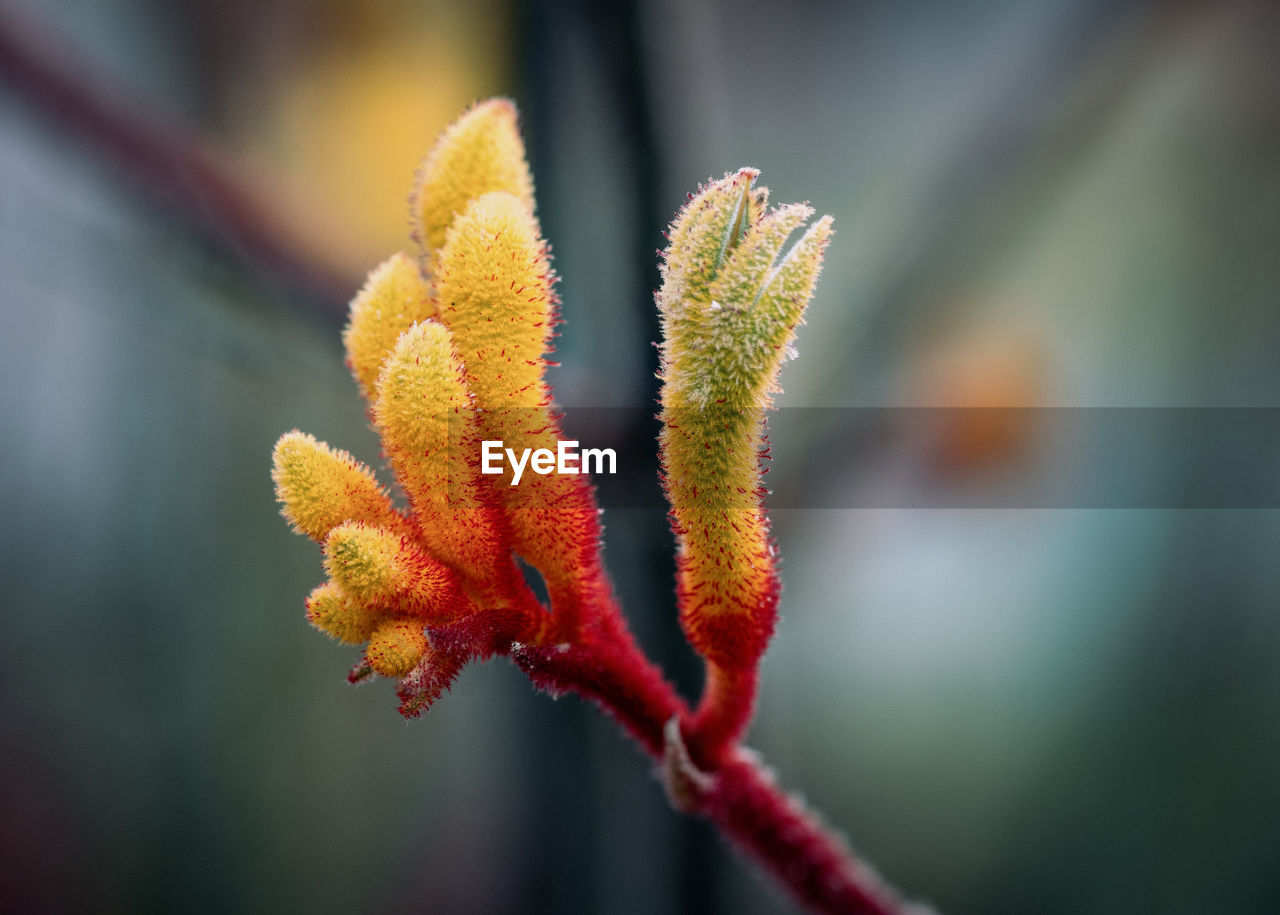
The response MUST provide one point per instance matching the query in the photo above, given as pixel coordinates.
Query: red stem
(735, 792)
(773, 829)
(728, 702)
(609, 669)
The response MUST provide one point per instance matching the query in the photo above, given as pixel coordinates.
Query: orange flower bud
(396, 647)
(495, 289)
(424, 412)
(380, 569)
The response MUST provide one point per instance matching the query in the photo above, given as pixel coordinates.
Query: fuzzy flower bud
(495, 289)
(396, 647)
(425, 414)
(321, 487)
(380, 569)
(480, 152)
(730, 302)
(393, 299)
(333, 612)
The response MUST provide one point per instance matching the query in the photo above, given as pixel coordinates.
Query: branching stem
(729, 785)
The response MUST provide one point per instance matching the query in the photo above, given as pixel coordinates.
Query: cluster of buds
(448, 345)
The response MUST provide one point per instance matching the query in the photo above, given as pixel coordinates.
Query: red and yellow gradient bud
(396, 646)
(427, 421)
(480, 152)
(383, 570)
(730, 304)
(394, 297)
(495, 287)
(321, 487)
(333, 612)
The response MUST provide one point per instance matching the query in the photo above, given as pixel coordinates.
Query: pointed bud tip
(480, 152)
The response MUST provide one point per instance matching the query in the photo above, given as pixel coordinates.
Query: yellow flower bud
(425, 415)
(333, 612)
(495, 290)
(321, 487)
(480, 152)
(393, 298)
(380, 569)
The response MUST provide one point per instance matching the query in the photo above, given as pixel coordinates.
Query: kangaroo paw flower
(450, 349)
(425, 413)
(730, 302)
(495, 288)
(383, 570)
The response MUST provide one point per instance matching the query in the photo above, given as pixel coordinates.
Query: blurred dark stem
(164, 160)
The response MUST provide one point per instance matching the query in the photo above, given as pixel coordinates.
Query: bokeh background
(1007, 707)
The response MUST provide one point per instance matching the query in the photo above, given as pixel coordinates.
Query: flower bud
(495, 289)
(396, 647)
(393, 298)
(333, 612)
(480, 152)
(380, 569)
(320, 487)
(425, 415)
(730, 302)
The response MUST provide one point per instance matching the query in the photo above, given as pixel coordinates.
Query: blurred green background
(1066, 203)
